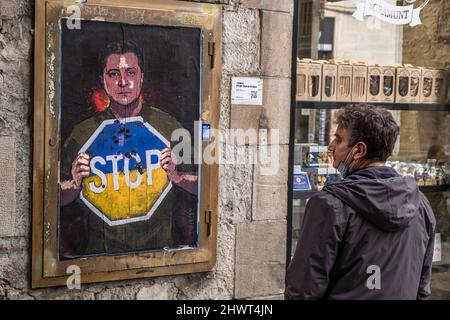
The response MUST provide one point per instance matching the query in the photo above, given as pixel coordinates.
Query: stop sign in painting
(126, 183)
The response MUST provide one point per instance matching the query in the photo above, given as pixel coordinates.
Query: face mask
(344, 166)
(343, 170)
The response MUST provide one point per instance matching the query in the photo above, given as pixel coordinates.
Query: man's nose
(123, 82)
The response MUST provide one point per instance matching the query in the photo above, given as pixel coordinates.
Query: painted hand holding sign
(388, 12)
(126, 183)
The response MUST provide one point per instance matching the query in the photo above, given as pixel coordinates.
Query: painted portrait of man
(125, 90)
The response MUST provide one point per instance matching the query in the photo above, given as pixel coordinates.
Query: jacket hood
(388, 203)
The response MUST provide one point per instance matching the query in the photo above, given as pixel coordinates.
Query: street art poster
(124, 90)
(125, 94)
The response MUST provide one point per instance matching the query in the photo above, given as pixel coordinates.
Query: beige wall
(371, 40)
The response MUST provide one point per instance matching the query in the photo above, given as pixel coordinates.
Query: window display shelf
(440, 268)
(428, 189)
(391, 106)
(424, 189)
(304, 194)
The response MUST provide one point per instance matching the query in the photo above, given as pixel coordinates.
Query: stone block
(241, 41)
(235, 189)
(274, 114)
(276, 44)
(270, 183)
(269, 201)
(23, 182)
(272, 167)
(118, 293)
(276, 108)
(62, 294)
(226, 238)
(211, 1)
(279, 5)
(274, 297)
(225, 102)
(15, 8)
(7, 187)
(245, 117)
(165, 291)
(260, 259)
(14, 261)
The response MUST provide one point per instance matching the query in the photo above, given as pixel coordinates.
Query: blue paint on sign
(129, 140)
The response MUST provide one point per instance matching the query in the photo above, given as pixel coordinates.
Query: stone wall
(252, 208)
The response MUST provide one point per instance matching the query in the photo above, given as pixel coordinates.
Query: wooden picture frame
(55, 68)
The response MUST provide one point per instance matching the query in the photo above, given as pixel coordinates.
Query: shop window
(390, 67)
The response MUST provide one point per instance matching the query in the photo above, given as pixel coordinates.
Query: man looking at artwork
(370, 236)
(173, 223)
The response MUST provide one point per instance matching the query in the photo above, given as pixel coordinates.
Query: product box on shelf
(432, 86)
(381, 84)
(359, 83)
(344, 81)
(319, 177)
(329, 81)
(301, 180)
(322, 157)
(298, 153)
(311, 155)
(309, 80)
(316, 164)
(407, 89)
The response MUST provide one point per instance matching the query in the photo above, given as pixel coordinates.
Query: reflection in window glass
(327, 30)
(388, 87)
(374, 85)
(414, 86)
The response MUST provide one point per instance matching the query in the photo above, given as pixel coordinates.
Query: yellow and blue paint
(126, 183)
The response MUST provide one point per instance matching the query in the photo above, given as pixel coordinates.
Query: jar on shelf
(430, 175)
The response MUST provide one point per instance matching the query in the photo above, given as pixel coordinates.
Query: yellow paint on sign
(126, 203)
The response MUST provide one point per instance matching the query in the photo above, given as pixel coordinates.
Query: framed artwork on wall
(117, 83)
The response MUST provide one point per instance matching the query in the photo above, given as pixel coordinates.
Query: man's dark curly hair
(372, 125)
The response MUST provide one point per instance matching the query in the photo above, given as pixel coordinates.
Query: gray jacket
(368, 237)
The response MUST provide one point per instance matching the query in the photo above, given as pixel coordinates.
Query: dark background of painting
(171, 72)
(172, 69)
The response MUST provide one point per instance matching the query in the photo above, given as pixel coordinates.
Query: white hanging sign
(388, 12)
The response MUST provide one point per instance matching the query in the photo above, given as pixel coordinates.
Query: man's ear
(361, 150)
